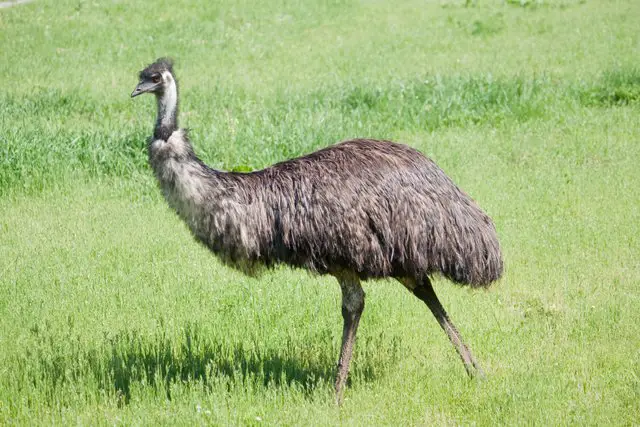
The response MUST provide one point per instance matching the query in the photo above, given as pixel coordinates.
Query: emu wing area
(374, 207)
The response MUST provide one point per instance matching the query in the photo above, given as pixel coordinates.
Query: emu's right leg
(352, 307)
(424, 291)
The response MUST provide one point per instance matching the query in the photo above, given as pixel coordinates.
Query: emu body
(357, 210)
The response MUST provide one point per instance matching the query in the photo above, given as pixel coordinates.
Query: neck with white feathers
(167, 121)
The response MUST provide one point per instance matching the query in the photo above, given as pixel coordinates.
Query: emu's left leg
(424, 291)
(352, 307)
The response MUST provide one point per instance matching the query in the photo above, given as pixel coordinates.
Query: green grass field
(110, 313)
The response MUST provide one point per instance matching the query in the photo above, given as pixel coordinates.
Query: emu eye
(155, 79)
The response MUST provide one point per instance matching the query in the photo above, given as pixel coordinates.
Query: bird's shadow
(161, 362)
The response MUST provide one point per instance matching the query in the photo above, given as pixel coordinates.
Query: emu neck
(167, 121)
(184, 179)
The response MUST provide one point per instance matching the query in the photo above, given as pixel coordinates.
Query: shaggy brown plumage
(373, 207)
(357, 210)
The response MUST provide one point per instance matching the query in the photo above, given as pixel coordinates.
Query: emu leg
(424, 291)
(352, 307)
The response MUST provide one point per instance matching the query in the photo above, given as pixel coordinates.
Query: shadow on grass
(161, 362)
(131, 361)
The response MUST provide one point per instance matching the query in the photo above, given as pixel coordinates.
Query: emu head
(155, 78)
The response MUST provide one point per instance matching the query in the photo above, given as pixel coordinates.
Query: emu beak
(143, 87)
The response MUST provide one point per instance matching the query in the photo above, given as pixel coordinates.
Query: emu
(361, 209)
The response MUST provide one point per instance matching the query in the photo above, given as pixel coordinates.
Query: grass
(111, 314)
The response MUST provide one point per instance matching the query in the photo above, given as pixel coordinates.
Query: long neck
(184, 179)
(167, 121)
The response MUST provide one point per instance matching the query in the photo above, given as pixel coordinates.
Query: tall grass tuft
(615, 87)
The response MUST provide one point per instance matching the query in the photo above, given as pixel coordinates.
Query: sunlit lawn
(110, 313)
